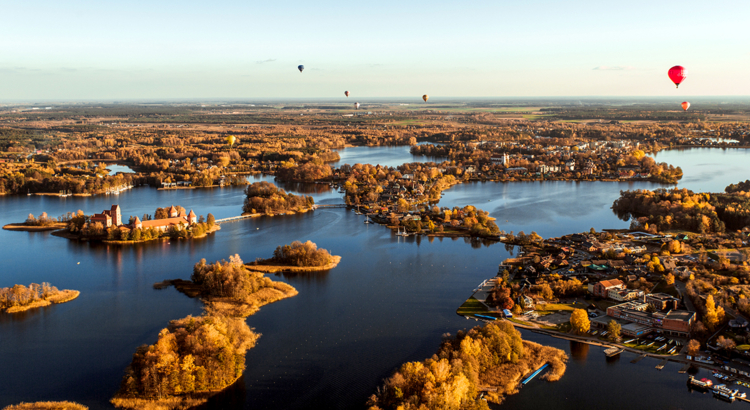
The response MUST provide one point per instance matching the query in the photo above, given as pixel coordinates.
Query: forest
(680, 208)
(493, 355)
(265, 197)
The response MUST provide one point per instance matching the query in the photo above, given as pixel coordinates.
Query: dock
(661, 364)
(638, 359)
(612, 351)
(539, 370)
(684, 368)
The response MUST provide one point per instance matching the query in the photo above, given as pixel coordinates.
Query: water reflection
(317, 278)
(579, 351)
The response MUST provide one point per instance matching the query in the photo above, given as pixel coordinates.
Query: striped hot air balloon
(685, 105)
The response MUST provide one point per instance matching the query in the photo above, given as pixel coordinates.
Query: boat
(723, 392)
(702, 384)
(404, 233)
(367, 220)
(28, 193)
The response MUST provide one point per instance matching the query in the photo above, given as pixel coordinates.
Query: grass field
(472, 307)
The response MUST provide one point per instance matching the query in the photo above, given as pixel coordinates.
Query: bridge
(316, 206)
(238, 218)
(235, 218)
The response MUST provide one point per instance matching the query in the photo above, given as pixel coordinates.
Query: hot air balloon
(346, 93)
(356, 106)
(685, 105)
(677, 74)
(300, 68)
(230, 140)
(425, 97)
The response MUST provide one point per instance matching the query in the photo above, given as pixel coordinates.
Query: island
(47, 405)
(196, 357)
(34, 224)
(266, 198)
(296, 257)
(166, 223)
(20, 298)
(487, 362)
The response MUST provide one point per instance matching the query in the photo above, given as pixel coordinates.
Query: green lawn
(652, 349)
(472, 307)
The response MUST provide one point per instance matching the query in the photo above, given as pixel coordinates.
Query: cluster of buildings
(177, 219)
(639, 313)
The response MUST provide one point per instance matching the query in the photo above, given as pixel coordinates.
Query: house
(624, 295)
(662, 301)
(602, 288)
(500, 159)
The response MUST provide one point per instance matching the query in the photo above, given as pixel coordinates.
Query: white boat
(367, 220)
(404, 233)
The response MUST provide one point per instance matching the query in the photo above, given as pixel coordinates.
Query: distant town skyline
(244, 50)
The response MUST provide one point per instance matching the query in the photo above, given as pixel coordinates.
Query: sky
(79, 50)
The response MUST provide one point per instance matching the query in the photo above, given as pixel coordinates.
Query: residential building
(602, 288)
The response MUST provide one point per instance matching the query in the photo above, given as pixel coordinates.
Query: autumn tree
(693, 347)
(725, 343)
(714, 314)
(613, 330)
(669, 279)
(579, 320)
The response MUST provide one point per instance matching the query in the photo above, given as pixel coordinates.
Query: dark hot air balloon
(685, 105)
(677, 74)
(300, 68)
(425, 97)
(346, 93)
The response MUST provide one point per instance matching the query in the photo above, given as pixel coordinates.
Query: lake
(389, 300)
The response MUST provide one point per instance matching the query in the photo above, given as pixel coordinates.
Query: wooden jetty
(684, 368)
(612, 351)
(638, 359)
(661, 364)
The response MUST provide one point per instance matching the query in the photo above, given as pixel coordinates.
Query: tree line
(265, 197)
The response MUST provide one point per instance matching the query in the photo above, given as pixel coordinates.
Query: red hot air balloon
(346, 93)
(685, 105)
(677, 74)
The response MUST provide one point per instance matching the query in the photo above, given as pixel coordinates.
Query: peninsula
(197, 357)
(486, 362)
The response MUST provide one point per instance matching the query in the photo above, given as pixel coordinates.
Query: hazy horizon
(87, 50)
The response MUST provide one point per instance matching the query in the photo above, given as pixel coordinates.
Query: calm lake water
(388, 302)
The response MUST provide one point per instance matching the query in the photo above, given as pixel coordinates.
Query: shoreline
(65, 295)
(33, 228)
(290, 268)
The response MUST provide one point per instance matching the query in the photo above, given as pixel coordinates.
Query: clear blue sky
(250, 49)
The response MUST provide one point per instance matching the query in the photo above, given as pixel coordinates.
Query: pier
(539, 370)
(329, 206)
(638, 359)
